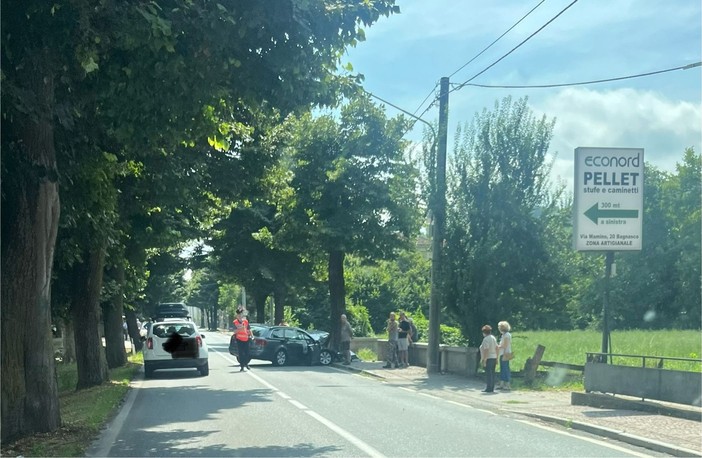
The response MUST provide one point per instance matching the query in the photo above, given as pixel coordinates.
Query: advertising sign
(608, 207)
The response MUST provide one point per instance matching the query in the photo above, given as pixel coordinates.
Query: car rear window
(257, 330)
(166, 329)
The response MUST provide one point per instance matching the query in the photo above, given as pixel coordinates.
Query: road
(317, 411)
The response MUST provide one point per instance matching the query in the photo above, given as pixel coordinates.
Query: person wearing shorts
(402, 340)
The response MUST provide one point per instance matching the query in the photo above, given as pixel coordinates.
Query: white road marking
(108, 438)
(375, 453)
(299, 405)
(328, 423)
(587, 439)
(459, 404)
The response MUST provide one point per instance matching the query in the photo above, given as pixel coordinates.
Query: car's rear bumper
(175, 363)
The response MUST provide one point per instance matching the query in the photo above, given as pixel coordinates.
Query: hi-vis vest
(241, 332)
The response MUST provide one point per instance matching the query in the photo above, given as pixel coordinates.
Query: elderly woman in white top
(505, 350)
(488, 357)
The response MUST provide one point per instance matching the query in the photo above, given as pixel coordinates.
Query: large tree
(355, 192)
(498, 266)
(153, 68)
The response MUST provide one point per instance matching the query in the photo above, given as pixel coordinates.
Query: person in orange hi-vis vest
(242, 332)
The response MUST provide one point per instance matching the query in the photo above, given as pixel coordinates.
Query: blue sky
(405, 55)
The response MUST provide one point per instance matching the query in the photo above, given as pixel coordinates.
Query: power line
(496, 40)
(425, 99)
(416, 118)
(513, 49)
(467, 63)
(581, 83)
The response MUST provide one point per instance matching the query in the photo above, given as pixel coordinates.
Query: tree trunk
(279, 300)
(337, 294)
(259, 300)
(69, 343)
(132, 328)
(112, 312)
(30, 213)
(85, 309)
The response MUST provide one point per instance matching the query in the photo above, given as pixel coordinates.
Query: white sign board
(608, 208)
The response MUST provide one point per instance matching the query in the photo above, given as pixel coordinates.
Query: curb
(357, 371)
(607, 401)
(613, 434)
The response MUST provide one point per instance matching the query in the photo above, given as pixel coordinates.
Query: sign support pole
(606, 347)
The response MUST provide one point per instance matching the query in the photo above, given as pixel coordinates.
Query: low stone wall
(455, 360)
(645, 382)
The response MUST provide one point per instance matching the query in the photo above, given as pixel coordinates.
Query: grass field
(570, 347)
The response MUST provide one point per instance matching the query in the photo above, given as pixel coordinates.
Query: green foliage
(389, 285)
(355, 193)
(229, 295)
(422, 325)
(290, 318)
(360, 320)
(354, 190)
(497, 258)
(452, 336)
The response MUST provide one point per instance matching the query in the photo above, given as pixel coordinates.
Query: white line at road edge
(587, 439)
(108, 437)
(328, 423)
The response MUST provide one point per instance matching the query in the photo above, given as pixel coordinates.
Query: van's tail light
(150, 343)
(199, 341)
(260, 342)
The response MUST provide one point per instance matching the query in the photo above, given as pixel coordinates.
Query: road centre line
(370, 451)
(299, 405)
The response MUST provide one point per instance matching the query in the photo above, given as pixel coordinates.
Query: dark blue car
(283, 345)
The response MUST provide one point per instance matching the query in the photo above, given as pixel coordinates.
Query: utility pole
(439, 213)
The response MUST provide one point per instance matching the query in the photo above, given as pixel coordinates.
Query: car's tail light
(150, 343)
(199, 341)
(260, 342)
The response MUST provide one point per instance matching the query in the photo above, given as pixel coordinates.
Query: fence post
(533, 363)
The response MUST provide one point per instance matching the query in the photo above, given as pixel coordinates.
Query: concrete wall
(455, 360)
(644, 382)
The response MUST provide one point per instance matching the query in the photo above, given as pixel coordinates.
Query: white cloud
(626, 118)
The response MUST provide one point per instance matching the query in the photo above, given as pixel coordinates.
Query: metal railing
(593, 357)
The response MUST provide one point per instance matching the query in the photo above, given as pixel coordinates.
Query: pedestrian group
(491, 352)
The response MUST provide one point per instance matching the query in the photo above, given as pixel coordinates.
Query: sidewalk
(661, 433)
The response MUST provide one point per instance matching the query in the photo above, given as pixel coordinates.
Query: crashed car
(328, 355)
(281, 345)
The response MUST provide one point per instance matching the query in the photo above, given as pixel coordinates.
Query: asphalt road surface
(317, 411)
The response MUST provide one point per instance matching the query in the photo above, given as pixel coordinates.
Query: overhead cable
(581, 83)
(496, 40)
(513, 49)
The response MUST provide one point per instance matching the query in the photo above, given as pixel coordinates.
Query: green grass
(366, 354)
(570, 347)
(83, 413)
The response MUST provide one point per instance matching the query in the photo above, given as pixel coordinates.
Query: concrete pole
(439, 213)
